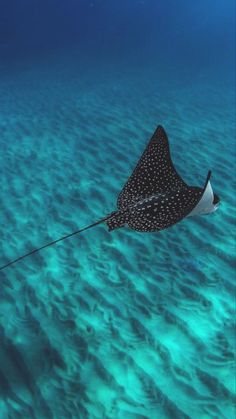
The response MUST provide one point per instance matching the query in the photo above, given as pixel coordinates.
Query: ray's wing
(153, 174)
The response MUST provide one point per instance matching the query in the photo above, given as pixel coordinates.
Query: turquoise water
(122, 324)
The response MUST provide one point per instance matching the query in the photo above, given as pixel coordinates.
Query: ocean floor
(120, 325)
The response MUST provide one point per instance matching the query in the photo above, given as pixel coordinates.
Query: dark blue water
(115, 325)
(187, 35)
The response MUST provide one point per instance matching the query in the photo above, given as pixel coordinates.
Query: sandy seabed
(119, 325)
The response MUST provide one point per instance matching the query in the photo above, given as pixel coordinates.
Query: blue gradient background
(118, 325)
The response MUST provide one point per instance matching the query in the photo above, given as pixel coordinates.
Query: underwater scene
(120, 324)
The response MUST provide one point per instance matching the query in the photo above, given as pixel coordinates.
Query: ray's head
(212, 205)
(212, 200)
(216, 201)
(208, 203)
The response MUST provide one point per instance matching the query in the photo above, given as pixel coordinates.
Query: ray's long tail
(108, 217)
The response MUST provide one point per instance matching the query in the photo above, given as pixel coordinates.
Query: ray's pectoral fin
(153, 174)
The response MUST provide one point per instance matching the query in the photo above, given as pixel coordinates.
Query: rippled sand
(119, 325)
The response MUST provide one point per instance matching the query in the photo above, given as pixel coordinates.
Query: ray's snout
(216, 200)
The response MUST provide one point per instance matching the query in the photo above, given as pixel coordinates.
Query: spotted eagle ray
(155, 197)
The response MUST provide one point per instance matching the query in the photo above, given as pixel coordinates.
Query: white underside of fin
(205, 205)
